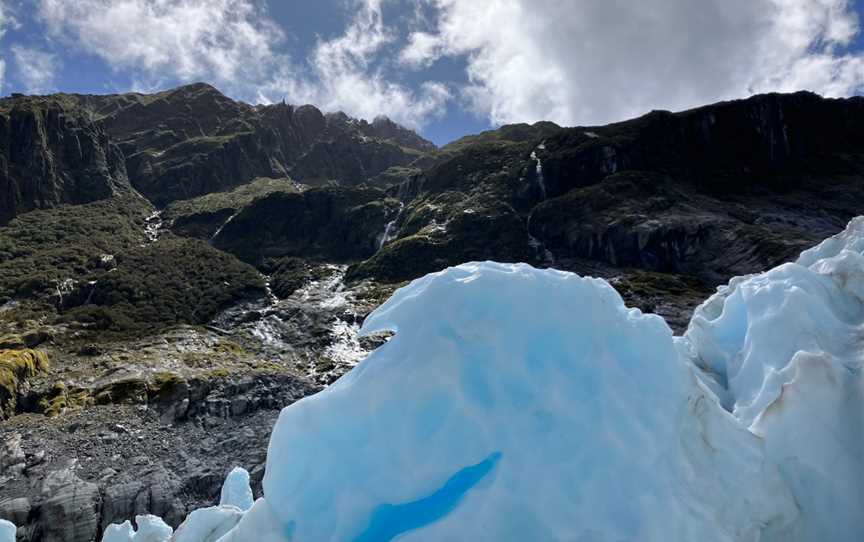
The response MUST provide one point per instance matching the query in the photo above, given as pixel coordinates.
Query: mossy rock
(230, 348)
(28, 339)
(15, 367)
(166, 386)
(645, 283)
(163, 380)
(201, 217)
(12, 342)
(201, 225)
(126, 391)
(62, 399)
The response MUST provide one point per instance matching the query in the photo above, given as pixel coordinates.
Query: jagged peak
(383, 127)
(195, 88)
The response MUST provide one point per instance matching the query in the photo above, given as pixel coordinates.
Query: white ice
(209, 524)
(523, 404)
(150, 529)
(236, 490)
(784, 352)
(7, 531)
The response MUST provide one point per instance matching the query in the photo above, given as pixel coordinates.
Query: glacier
(514, 403)
(7, 531)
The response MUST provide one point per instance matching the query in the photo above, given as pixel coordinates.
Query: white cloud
(7, 18)
(574, 62)
(223, 40)
(346, 73)
(36, 69)
(422, 50)
(584, 62)
(237, 46)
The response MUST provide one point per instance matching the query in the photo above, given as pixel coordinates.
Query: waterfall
(541, 182)
(540, 251)
(152, 225)
(222, 227)
(389, 234)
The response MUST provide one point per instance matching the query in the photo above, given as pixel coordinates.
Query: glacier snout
(516, 404)
(523, 404)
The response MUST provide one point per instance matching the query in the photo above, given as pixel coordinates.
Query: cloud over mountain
(499, 61)
(592, 62)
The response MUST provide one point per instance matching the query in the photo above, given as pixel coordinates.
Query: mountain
(188, 142)
(50, 155)
(175, 267)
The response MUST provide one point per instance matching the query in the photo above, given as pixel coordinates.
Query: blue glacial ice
(7, 531)
(523, 404)
(236, 490)
(150, 529)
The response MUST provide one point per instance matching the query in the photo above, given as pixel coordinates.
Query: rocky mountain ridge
(184, 143)
(189, 264)
(50, 155)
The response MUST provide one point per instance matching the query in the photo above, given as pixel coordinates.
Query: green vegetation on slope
(40, 248)
(171, 281)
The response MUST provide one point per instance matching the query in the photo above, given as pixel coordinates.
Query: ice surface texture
(784, 351)
(150, 529)
(236, 490)
(523, 404)
(7, 531)
(512, 404)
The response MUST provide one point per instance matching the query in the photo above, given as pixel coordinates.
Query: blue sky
(444, 67)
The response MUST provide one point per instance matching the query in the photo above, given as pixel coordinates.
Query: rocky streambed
(111, 429)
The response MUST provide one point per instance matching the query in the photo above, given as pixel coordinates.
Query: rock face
(52, 154)
(193, 140)
(200, 429)
(330, 224)
(12, 458)
(723, 147)
(70, 508)
(386, 129)
(722, 190)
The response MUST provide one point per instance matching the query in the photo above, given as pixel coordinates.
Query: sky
(445, 68)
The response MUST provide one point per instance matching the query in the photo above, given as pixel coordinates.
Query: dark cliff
(51, 154)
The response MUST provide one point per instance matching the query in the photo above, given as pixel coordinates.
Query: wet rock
(120, 502)
(12, 459)
(90, 350)
(69, 510)
(36, 458)
(16, 510)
